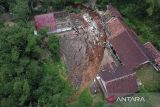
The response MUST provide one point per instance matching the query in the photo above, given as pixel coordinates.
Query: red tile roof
(118, 80)
(126, 45)
(45, 20)
(111, 99)
(111, 72)
(152, 52)
(116, 27)
(123, 86)
(114, 12)
(157, 61)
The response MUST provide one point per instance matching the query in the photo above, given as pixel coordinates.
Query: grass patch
(149, 78)
(87, 99)
(98, 99)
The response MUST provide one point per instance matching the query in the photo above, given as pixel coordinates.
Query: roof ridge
(124, 76)
(126, 29)
(136, 44)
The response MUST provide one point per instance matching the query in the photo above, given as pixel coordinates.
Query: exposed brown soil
(93, 65)
(82, 48)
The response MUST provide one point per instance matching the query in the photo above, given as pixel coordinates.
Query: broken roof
(152, 52)
(45, 21)
(126, 46)
(114, 12)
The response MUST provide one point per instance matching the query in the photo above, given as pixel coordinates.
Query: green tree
(85, 98)
(27, 79)
(21, 9)
(153, 6)
(5, 5)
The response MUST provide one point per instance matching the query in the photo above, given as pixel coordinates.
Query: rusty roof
(45, 21)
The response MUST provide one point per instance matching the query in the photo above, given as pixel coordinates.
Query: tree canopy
(28, 75)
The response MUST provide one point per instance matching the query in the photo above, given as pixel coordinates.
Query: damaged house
(98, 44)
(82, 35)
(124, 54)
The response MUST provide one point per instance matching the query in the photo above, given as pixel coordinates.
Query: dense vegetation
(34, 6)
(142, 15)
(32, 73)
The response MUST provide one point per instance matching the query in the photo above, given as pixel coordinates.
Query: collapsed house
(82, 36)
(98, 44)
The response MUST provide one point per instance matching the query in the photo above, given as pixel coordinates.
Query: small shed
(45, 21)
